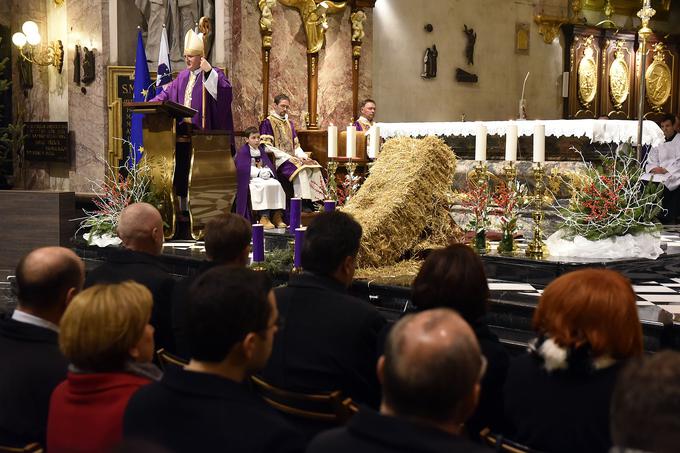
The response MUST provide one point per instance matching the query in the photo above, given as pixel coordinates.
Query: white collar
(196, 71)
(276, 115)
(363, 119)
(254, 152)
(27, 318)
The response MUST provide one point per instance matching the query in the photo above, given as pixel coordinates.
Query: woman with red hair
(557, 396)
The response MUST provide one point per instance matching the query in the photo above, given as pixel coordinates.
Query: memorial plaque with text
(47, 142)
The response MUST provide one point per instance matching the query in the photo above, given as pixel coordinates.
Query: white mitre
(193, 43)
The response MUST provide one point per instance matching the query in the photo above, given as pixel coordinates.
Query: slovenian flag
(164, 72)
(143, 91)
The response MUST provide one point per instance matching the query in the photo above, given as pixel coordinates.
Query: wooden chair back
(33, 447)
(166, 358)
(326, 407)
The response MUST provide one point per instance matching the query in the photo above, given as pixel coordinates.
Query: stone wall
(400, 42)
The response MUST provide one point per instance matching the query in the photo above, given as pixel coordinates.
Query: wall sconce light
(27, 41)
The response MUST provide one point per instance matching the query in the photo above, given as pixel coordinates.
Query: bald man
(430, 374)
(46, 281)
(140, 228)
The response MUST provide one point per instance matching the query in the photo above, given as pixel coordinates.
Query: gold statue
(658, 79)
(357, 18)
(266, 19)
(314, 19)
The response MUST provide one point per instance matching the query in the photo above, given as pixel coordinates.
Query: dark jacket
(489, 411)
(32, 366)
(146, 270)
(328, 342)
(371, 432)
(180, 300)
(86, 411)
(190, 412)
(562, 411)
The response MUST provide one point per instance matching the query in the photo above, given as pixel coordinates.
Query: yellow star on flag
(144, 93)
(141, 149)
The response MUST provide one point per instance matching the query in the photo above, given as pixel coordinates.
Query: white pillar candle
(332, 141)
(480, 143)
(351, 142)
(373, 142)
(511, 143)
(539, 143)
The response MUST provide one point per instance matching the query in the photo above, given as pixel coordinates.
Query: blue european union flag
(143, 91)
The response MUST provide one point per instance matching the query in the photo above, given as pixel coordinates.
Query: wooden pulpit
(212, 173)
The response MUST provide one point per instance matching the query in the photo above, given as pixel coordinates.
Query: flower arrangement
(508, 200)
(611, 200)
(122, 185)
(477, 199)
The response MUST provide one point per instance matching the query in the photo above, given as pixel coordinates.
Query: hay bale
(405, 200)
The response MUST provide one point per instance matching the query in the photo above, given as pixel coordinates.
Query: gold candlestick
(537, 248)
(507, 244)
(332, 167)
(510, 171)
(479, 241)
(351, 168)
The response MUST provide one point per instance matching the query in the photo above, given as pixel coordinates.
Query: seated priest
(365, 121)
(188, 89)
(256, 176)
(292, 163)
(663, 165)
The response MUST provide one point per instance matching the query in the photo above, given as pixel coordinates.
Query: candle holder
(480, 244)
(351, 168)
(537, 248)
(332, 167)
(507, 245)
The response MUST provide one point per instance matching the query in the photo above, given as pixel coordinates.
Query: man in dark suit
(140, 228)
(47, 279)
(431, 374)
(330, 338)
(227, 242)
(205, 406)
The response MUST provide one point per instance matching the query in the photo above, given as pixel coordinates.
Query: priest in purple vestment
(292, 163)
(365, 121)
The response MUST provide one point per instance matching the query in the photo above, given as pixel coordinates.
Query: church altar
(596, 131)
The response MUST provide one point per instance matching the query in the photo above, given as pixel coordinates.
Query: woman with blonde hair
(106, 335)
(557, 396)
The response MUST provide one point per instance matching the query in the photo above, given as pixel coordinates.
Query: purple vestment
(286, 141)
(217, 111)
(243, 177)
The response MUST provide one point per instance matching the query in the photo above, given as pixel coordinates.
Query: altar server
(663, 165)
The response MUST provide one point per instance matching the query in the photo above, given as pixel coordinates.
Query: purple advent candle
(295, 209)
(329, 206)
(258, 243)
(299, 240)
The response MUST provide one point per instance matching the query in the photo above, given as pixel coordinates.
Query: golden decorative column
(313, 14)
(357, 19)
(266, 22)
(645, 14)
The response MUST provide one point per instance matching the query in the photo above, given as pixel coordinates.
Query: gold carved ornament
(313, 13)
(587, 74)
(619, 77)
(658, 79)
(266, 21)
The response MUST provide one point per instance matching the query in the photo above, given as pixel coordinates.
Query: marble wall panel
(288, 67)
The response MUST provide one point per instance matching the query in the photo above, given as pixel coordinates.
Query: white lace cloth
(641, 245)
(601, 131)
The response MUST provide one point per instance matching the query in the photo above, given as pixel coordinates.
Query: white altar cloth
(599, 131)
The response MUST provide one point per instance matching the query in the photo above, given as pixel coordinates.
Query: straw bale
(405, 200)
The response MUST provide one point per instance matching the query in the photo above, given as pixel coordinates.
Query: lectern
(212, 173)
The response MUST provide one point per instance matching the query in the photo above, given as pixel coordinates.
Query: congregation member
(430, 375)
(454, 277)
(365, 121)
(663, 165)
(198, 79)
(47, 279)
(330, 338)
(646, 404)
(140, 228)
(557, 396)
(106, 336)
(232, 318)
(227, 242)
(258, 190)
(292, 163)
